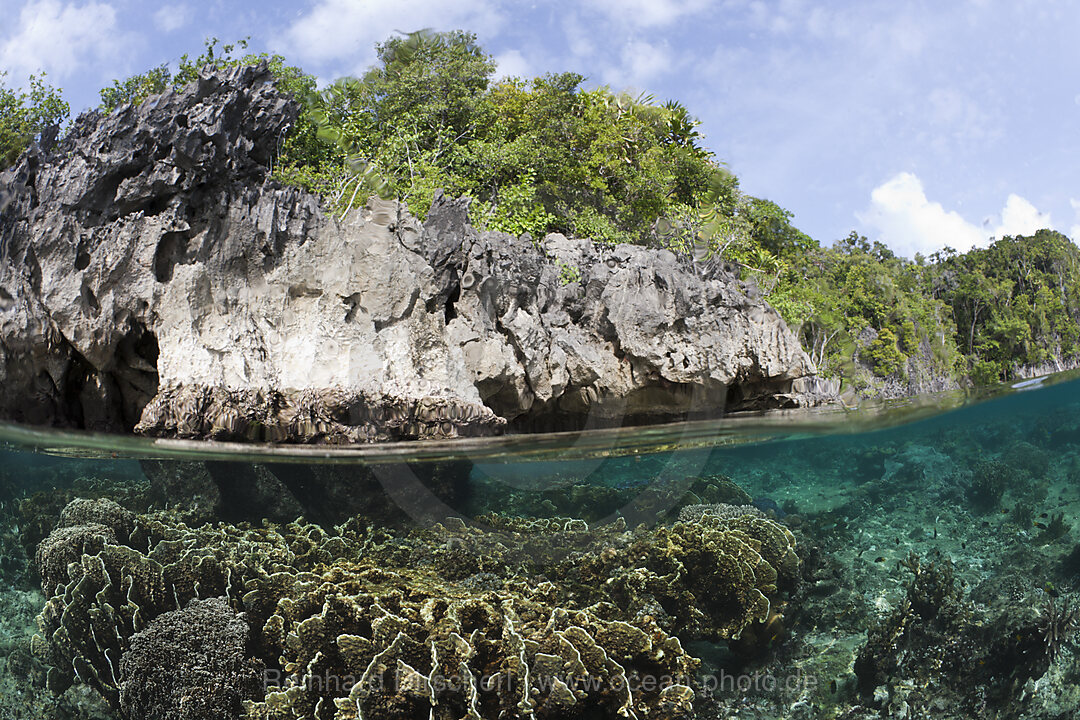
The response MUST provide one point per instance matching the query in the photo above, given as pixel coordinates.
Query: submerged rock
(390, 494)
(153, 277)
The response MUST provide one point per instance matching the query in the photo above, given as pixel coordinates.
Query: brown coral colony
(337, 628)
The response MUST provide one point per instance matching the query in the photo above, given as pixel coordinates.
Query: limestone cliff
(154, 278)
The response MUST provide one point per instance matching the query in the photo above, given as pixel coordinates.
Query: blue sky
(921, 124)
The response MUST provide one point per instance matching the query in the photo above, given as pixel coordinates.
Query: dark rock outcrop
(392, 494)
(153, 278)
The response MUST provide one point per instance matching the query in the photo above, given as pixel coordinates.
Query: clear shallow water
(913, 559)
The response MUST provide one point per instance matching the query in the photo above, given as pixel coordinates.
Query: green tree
(835, 296)
(136, 88)
(1016, 302)
(542, 154)
(885, 355)
(411, 118)
(25, 116)
(771, 228)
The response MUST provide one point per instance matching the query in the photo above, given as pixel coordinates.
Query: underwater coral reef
(520, 617)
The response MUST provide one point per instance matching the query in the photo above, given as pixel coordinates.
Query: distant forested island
(546, 154)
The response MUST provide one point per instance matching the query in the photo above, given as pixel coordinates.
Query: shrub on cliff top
(25, 116)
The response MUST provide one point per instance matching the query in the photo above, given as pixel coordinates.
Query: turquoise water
(917, 559)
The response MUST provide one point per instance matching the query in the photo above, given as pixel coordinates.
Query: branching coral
(989, 480)
(1058, 623)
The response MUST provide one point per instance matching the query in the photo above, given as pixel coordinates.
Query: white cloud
(1074, 231)
(172, 17)
(347, 30)
(1020, 217)
(954, 119)
(59, 38)
(648, 13)
(641, 61)
(512, 64)
(620, 43)
(908, 222)
(821, 24)
(582, 43)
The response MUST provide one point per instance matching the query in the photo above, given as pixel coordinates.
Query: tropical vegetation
(25, 116)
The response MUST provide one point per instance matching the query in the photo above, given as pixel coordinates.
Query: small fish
(767, 505)
(879, 559)
(1041, 526)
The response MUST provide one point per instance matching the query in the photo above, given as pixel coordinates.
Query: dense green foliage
(546, 154)
(986, 313)
(1016, 302)
(858, 301)
(25, 116)
(536, 155)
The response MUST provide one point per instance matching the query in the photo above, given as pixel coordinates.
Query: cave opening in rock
(135, 373)
(455, 295)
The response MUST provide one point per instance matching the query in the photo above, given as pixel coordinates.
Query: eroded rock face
(153, 278)
(570, 331)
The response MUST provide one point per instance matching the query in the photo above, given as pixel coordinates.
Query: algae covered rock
(939, 652)
(189, 664)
